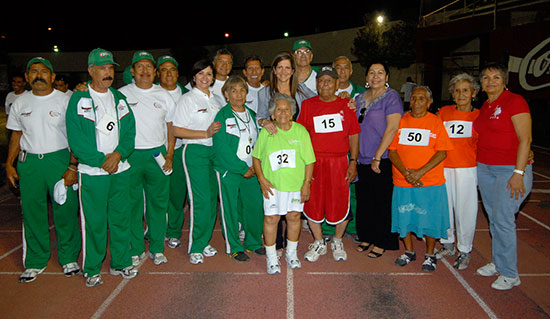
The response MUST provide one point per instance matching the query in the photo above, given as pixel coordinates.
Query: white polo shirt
(151, 108)
(176, 94)
(196, 110)
(252, 97)
(42, 121)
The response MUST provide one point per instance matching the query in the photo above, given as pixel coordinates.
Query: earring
(387, 85)
(367, 85)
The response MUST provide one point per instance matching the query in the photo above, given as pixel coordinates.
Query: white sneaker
(273, 265)
(338, 252)
(30, 274)
(209, 251)
(488, 270)
(71, 269)
(93, 281)
(505, 283)
(316, 249)
(138, 260)
(173, 242)
(126, 273)
(158, 258)
(292, 260)
(196, 258)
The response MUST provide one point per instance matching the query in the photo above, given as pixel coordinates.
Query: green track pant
(105, 205)
(149, 193)
(202, 191)
(38, 175)
(178, 193)
(242, 201)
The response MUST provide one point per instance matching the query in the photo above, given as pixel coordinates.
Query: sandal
(374, 254)
(362, 248)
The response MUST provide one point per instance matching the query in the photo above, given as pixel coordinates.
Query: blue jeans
(501, 210)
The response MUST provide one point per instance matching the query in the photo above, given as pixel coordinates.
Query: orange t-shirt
(417, 140)
(464, 137)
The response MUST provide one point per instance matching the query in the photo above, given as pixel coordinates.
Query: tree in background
(392, 42)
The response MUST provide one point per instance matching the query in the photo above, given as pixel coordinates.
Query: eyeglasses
(362, 115)
(302, 51)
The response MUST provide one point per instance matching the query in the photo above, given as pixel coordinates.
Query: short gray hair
(463, 77)
(281, 97)
(425, 87)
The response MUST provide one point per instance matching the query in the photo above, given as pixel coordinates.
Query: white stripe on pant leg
(190, 198)
(82, 220)
(24, 243)
(222, 213)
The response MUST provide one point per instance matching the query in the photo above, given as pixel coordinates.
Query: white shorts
(280, 203)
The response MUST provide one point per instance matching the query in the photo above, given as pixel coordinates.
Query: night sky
(160, 25)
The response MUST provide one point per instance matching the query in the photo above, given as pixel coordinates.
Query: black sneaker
(260, 251)
(240, 257)
(405, 259)
(429, 264)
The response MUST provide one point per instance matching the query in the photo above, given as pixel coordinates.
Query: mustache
(39, 80)
(108, 78)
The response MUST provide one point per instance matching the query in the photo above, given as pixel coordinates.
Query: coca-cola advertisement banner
(528, 51)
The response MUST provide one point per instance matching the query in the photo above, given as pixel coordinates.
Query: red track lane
(358, 288)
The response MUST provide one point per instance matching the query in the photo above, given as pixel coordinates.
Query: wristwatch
(520, 172)
(375, 159)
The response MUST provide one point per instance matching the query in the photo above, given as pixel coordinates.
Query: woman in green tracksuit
(240, 194)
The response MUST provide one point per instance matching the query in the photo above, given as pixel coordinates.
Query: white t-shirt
(406, 89)
(151, 108)
(217, 90)
(42, 121)
(311, 81)
(252, 97)
(176, 94)
(10, 98)
(196, 110)
(349, 89)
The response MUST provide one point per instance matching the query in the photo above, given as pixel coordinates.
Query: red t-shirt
(460, 129)
(417, 140)
(329, 125)
(498, 141)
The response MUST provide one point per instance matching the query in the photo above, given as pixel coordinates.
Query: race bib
(107, 124)
(282, 158)
(458, 129)
(328, 123)
(414, 137)
(244, 150)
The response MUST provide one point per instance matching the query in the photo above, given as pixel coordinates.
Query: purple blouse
(374, 122)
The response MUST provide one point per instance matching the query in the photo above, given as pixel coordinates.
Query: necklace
(246, 123)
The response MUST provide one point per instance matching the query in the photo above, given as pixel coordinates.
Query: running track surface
(360, 287)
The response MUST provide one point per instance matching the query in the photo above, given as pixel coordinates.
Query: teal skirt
(423, 211)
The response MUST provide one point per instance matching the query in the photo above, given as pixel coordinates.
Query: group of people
(307, 147)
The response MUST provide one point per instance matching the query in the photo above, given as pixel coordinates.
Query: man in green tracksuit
(45, 166)
(239, 188)
(101, 134)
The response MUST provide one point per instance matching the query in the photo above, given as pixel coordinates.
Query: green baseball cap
(39, 60)
(140, 55)
(101, 57)
(301, 43)
(166, 58)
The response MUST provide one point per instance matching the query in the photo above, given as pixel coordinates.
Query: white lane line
(517, 229)
(176, 273)
(540, 190)
(470, 290)
(535, 220)
(370, 273)
(112, 297)
(541, 175)
(11, 251)
(289, 294)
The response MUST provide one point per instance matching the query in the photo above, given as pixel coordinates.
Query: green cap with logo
(140, 55)
(101, 57)
(300, 44)
(39, 60)
(166, 58)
